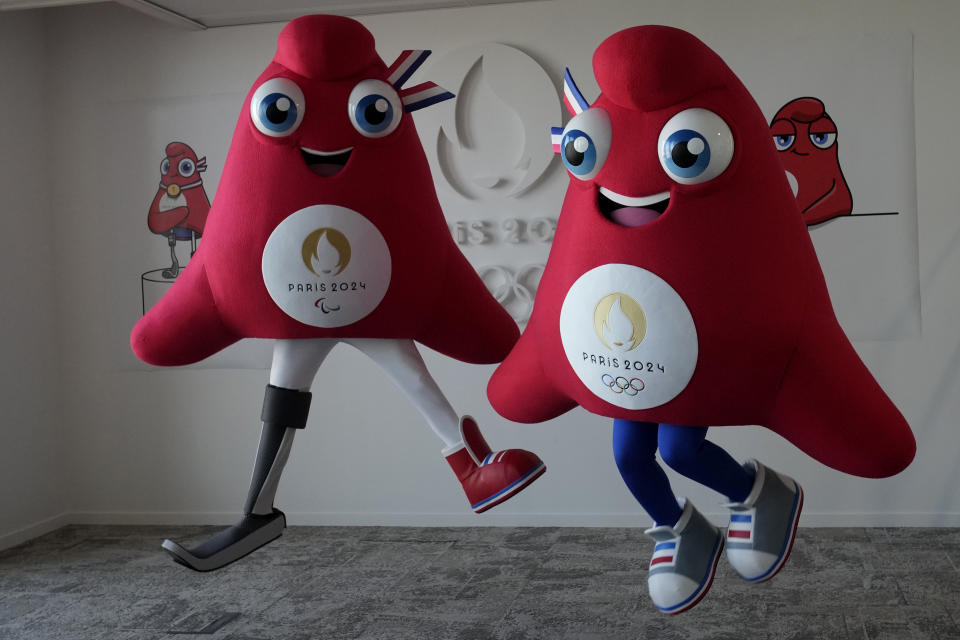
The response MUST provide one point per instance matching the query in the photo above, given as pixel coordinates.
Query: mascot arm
(468, 323)
(520, 390)
(163, 221)
(184, 326)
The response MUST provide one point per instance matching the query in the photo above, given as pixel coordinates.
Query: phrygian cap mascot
(681, 291)
(326, 228)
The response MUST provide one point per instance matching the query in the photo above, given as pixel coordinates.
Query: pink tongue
(633, 216)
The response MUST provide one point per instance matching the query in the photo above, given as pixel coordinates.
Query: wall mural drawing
(178, 211)
(806, 138)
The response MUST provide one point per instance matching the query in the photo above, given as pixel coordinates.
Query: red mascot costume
(682, 290)
(326, 228)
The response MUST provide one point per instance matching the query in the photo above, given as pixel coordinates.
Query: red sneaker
(488, 477)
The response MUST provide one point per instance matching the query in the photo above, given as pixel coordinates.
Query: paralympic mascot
(326, 228)
(681, 291)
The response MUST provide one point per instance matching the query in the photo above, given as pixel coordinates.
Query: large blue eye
(276, 107)
(278, 113)
(579, 152)
(686, 153)
(186, 167)
(823, 140)
(165, 166)
(695, 145)
(374, 108)
(585, 143)
(784, 142)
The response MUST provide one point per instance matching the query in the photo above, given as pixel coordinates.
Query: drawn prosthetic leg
(173, 270)
(286, 404)
(488, 478)
(763, 526)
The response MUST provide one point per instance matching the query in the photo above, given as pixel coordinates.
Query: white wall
(177, 445)
(32, 479)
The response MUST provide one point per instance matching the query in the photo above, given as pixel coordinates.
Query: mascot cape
(682, 286)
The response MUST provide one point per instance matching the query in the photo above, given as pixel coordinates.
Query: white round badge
(326, 266)
(629, 336)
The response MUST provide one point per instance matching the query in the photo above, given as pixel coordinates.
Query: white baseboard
(492, 519)
(467, 519)
(166, 518)
(25, 534)
(604, 519)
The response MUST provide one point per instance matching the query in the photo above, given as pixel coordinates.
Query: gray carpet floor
(114, 583)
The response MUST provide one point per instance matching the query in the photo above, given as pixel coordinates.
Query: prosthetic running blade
(252, 532)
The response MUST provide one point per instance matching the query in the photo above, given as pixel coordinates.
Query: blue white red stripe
(664, 553)
(423, 95)
(493, 457)
(572, 97)
(741, 526)
(556, 137)
(404, 66)
(510, 489)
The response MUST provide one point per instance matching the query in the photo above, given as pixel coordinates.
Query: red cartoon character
(682, 291)
(806, 137)
(179, 210)
(327, 229)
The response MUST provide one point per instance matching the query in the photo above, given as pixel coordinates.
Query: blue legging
(687, 451)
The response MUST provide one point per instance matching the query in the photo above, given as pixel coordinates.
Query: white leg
(295, 362)
(404, 364)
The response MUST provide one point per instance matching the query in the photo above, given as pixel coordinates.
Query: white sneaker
(763, 527)
(684, 561)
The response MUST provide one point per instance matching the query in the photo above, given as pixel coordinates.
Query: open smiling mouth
(628, 211)
(326, 163)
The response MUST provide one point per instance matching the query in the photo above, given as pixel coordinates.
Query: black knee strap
(286, 407)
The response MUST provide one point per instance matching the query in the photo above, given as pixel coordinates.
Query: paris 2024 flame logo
(326, 251)
(619, 322)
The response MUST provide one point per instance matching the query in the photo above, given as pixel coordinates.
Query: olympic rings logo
(620, 384)
(514, 291)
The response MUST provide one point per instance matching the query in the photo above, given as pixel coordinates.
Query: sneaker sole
(511, 490)
(698, 596)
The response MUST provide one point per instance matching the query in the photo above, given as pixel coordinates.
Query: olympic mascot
(326, 228)
(682, 291)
